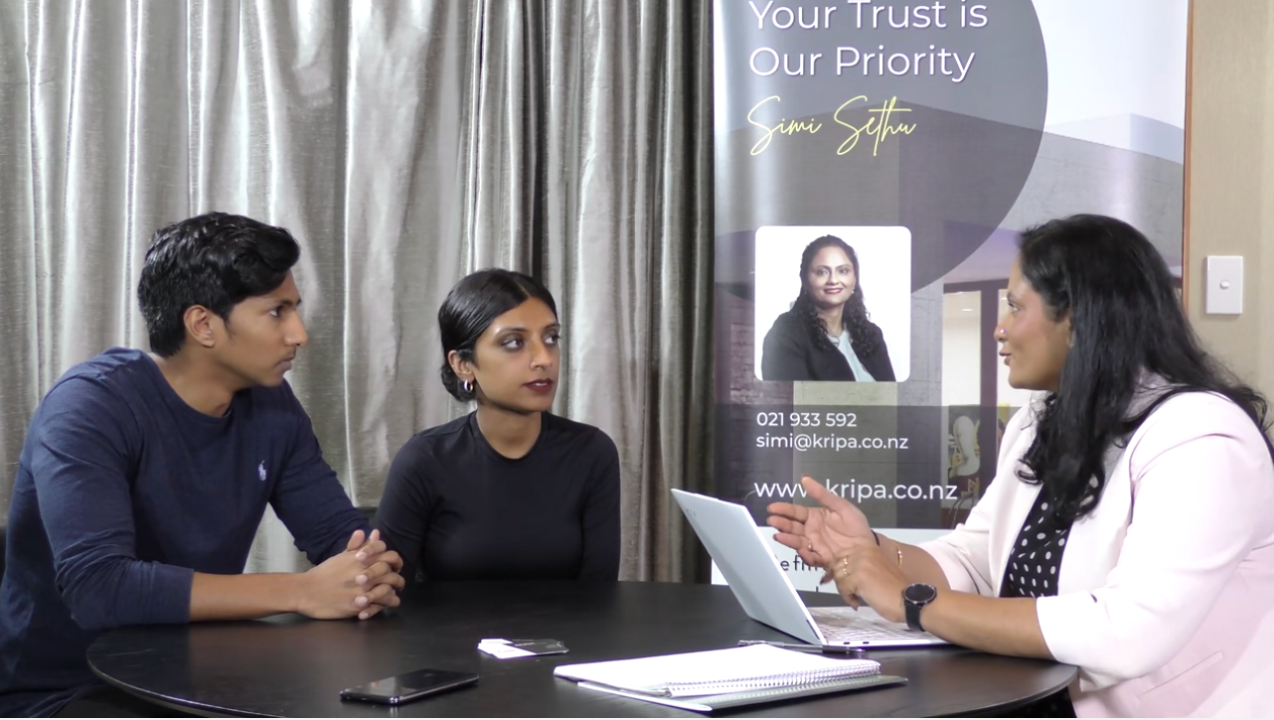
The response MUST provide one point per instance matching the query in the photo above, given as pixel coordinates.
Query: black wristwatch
(916, 596)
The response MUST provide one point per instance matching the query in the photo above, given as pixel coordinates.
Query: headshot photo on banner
(875, 163)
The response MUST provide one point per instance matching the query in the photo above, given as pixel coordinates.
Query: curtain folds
(405, 144)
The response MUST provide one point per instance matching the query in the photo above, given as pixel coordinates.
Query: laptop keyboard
(864, 626)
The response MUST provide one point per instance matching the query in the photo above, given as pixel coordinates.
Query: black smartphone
(410, 686)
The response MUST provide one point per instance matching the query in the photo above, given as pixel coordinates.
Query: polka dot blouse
(1037, 553)
(1032, 572)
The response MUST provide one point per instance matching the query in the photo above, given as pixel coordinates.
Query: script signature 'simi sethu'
(880, 125)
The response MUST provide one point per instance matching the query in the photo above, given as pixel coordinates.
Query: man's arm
(311, 502)
(308, 497)
(330, 591)
(80, 462)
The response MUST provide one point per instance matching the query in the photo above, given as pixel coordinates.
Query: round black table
(290, 666)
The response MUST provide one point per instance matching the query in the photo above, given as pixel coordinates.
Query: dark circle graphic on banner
(923, 115)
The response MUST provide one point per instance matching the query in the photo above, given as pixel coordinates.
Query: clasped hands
(835, 536)
(362, 581)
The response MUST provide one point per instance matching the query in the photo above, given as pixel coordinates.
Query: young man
(144, 477)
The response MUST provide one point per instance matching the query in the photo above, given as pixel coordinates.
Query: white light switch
(1223, 285)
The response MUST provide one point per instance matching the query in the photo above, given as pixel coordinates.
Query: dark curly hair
(863, 333)
(216, 260)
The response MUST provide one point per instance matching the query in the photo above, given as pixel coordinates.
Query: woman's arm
(821, 534)
(882, 367)
(1204, 497)
(405, 507)
(783, 353)
(1006, 626)
(600, 519)
(959, 565)
(917, 565)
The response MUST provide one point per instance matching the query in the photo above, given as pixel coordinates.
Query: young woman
(1130, 527)
(509, 491)
(827, 334)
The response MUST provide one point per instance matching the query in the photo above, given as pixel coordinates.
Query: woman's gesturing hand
(819, 534)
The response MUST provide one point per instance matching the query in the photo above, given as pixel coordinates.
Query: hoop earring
(468, 386)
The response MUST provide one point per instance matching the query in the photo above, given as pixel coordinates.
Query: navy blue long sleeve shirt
(123, 492)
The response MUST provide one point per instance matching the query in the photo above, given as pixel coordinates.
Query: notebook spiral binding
(851, 669)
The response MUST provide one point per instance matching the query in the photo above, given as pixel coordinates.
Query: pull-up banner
(875, 162)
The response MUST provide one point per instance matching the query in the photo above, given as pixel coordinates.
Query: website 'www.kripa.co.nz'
(856, 491)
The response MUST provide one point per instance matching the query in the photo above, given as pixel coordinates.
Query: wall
(1230, 181)
(961, 349)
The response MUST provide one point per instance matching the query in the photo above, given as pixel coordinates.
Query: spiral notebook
(716, 679)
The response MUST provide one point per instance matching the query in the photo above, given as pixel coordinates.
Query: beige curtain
(404, 144)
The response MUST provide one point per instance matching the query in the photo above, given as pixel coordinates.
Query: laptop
(766, 593)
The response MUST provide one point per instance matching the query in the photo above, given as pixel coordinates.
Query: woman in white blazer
(1130, 526)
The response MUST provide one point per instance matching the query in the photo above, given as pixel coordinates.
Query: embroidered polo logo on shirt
(261, 473)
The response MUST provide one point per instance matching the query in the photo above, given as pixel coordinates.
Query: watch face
(920, 593)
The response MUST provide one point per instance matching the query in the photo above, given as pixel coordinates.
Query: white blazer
(1166, 591)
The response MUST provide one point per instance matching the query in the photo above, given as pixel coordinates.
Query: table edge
(170, 703)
